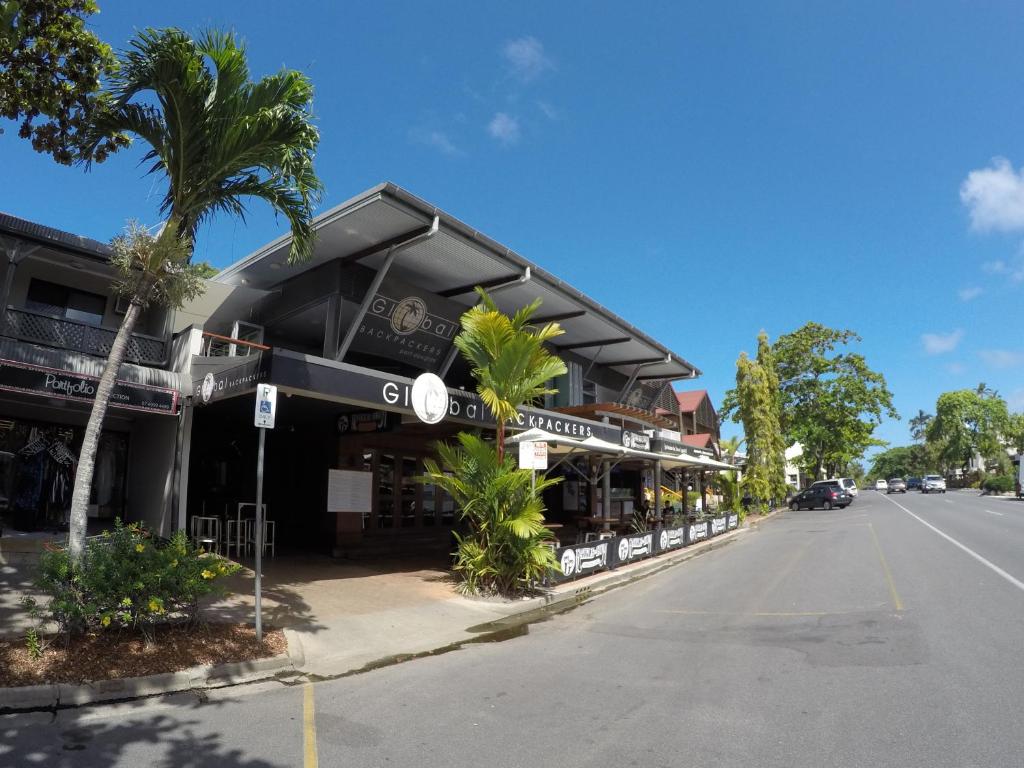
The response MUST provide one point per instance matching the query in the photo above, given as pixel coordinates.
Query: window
(62, 301)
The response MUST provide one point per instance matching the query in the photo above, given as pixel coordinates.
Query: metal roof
(49, 236)
(449, 264)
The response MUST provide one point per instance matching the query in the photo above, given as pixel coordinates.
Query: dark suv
(913, 483)
(825, 496)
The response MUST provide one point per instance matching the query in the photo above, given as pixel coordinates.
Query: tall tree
(509, 359)
(756, 409)
(216, 138)
(776, 450)
(919, 425)
(51, 67)
(831, 400)
(970, 423)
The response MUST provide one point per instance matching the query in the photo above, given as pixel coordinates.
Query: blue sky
(705, 172)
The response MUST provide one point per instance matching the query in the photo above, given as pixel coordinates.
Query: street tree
(217, 139)
(969, 423)
(756, 408)
(902, 461)
(51, 68)
(509, 358)
(832, 401)
(775, 452)
(919, 425)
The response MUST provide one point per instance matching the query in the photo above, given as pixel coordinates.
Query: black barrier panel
(717, 526)
(634, 546)
(671, 538)
(698, 531)
(733, 521)
(582, 559)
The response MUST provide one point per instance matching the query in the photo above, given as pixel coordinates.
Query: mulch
(112, 654)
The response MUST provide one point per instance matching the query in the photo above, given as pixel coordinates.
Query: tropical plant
(130, 580)
(968, 423)
(51, 66)
(508, 358)
(503, 549)
(217, 138)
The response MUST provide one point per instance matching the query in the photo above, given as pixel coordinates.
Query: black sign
(671, 538)
(698, 531)
(634, 546)
(718, 525)
(66, 385)
(671, 447)
(636, 440)
(364, 386)
(218, 378)
(582, 559)
(365, 421)
(733, 521)
(407, 324)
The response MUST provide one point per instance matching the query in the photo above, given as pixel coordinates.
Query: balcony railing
(79, 337)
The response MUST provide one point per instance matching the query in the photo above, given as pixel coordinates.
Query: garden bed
(110, 654)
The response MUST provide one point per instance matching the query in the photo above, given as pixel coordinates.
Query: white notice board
(349, 490)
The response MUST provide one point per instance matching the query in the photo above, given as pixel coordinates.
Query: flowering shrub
(128, 579)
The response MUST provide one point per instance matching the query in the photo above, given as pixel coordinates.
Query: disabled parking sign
(266, 405)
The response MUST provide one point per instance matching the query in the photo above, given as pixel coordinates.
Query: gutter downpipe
(450, 357)
(393, 251)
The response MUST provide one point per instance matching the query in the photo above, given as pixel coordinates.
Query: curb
(34, 698)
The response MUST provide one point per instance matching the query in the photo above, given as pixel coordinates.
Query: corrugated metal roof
(39, 233)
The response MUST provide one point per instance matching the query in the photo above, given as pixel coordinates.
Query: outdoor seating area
(226, 534)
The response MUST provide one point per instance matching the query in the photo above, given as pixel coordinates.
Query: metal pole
(259, 535)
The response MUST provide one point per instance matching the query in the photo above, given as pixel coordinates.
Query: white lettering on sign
(68, 387)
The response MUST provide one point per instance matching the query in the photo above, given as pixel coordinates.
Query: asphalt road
(887, 634)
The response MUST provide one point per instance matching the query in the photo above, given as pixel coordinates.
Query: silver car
(933, 484)
(896, 485)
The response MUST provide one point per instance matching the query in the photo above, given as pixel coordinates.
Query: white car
(933, 484)
(881, 485)
(846, 483)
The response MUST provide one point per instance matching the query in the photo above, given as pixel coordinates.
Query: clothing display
(37, 472)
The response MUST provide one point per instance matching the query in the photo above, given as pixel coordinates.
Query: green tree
(756, 409)
(217, 138)
(831, 400)
(508, 358)
(902, 461)
(51, 68)
(919, 425)
(775, 451)
(968, 423)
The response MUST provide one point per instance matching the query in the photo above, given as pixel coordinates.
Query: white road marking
(948, 501)
(992, 566)
(994, 513)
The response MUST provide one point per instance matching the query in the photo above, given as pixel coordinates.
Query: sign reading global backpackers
(68, 385)
(407, 324)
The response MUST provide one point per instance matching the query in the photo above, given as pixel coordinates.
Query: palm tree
(217, 138)
(509, 361)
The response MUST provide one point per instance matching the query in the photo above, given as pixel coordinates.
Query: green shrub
(128, 579)
(505, 548)
(998, 484)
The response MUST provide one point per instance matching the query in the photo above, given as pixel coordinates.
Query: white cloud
(549, 111)
(437, 139)
(994, 197)
(1013, 270)
(526, 58)
(1001, 358)
(957, 369)
(938, 343)
(1015, 400)
(504, 128)
(967, 294)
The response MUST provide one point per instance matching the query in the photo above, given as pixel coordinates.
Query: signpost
(266, 410)
(533, 456)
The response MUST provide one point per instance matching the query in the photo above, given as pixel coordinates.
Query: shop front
(43, 413)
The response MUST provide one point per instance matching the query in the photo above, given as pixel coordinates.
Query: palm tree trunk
(87, 455)
(501, 441)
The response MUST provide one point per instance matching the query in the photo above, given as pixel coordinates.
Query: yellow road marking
(309, 728)
(897, 603)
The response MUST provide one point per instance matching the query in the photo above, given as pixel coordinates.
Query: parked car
(846, 483)
(933, 484)
(881, 485)
(913, 483)
(896, 485)
(825, 495)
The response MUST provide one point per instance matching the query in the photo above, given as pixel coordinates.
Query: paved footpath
(886, 634)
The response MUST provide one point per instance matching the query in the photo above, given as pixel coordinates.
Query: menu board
(349, 490)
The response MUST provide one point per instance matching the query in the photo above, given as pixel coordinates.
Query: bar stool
(269, 529)
(206, 533)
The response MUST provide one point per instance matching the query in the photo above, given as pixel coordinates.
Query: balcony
(79, 337)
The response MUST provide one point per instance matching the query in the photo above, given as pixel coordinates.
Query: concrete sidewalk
(341, 618)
